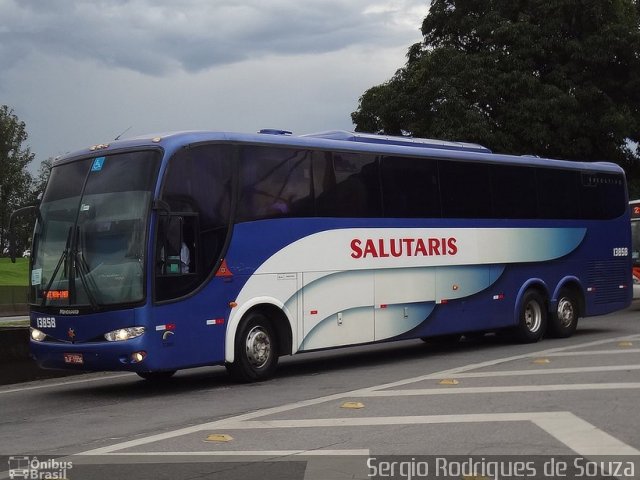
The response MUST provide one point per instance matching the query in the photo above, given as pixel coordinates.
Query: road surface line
(62, 384)
(577, 434)
(501, 389)
(245, 453)
(317, 401)
(618, 351)
(534, 371)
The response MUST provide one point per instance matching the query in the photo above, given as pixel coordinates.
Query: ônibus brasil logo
(32, 468)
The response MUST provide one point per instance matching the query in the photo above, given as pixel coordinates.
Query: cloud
(155, 37)
(79, 72)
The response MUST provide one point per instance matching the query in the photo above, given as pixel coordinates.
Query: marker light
(124, 334)
(37, 335)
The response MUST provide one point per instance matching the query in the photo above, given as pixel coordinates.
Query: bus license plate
(73, 358)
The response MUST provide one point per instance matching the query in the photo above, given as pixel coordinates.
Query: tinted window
(410, 187)
(347, 185)
(190, 237)
(558, 193)
(514, 191)
(275, 182)
(465, 189)
(602, 196)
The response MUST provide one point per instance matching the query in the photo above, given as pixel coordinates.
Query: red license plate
(73, 358)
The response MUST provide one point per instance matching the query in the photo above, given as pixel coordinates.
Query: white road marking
(491, 363)
(581, 436)
(576, 433)
(216, 424)
(64, 384)
(618, 351)
(245, 453)
(531, 371)
(502, 389)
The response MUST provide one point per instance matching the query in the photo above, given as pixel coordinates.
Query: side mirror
(12, 240)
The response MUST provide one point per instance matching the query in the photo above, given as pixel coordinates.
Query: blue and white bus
(187, 249)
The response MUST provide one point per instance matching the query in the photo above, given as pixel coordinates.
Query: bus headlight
(124, 334)
(37, 335)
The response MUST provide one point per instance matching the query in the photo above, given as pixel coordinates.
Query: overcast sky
(80, 72)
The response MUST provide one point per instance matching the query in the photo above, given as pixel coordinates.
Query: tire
(157, 376)
(532, 317)
(564, 319)
(256, 350)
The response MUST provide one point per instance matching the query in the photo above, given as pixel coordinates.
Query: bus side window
(192, 234)
(558, 193)
(514, 191)
(347, 186)
(175, 245)
(602, 195)
(410, 187)
(274, 182)
(176, 255)
(465, 189)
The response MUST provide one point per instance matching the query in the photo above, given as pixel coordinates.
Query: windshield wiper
(79, 264)
(63, 257)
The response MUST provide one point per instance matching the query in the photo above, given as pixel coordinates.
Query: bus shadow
(302, 365)
(311, 364)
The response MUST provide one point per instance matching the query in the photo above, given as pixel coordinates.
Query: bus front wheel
(564, 320)
(256, 350)
(532, 317)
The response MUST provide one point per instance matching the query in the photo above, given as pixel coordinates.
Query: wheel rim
(258, 347)
(566, 312)
(533, 316)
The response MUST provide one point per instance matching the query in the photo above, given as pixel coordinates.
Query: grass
(14, 274)
(15, 323)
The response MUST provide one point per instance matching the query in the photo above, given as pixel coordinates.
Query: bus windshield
(89, 242)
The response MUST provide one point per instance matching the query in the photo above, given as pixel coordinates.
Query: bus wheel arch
(262, 335)
(568, 308)
(531, 312)
(281, 325)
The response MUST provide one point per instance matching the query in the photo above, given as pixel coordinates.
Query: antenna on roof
(118, 137)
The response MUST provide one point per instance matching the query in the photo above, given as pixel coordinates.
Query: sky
(81, 72)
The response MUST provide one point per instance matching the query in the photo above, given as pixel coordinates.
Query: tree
(554, 78)
(40, 181)
(15, 180)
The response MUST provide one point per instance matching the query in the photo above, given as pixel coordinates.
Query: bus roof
(404, 141)
(341, 141)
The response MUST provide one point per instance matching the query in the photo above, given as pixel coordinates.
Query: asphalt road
(385, 411)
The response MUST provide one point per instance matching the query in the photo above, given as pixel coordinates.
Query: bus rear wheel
(256, 350)
(564, 320)
(532, 317)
